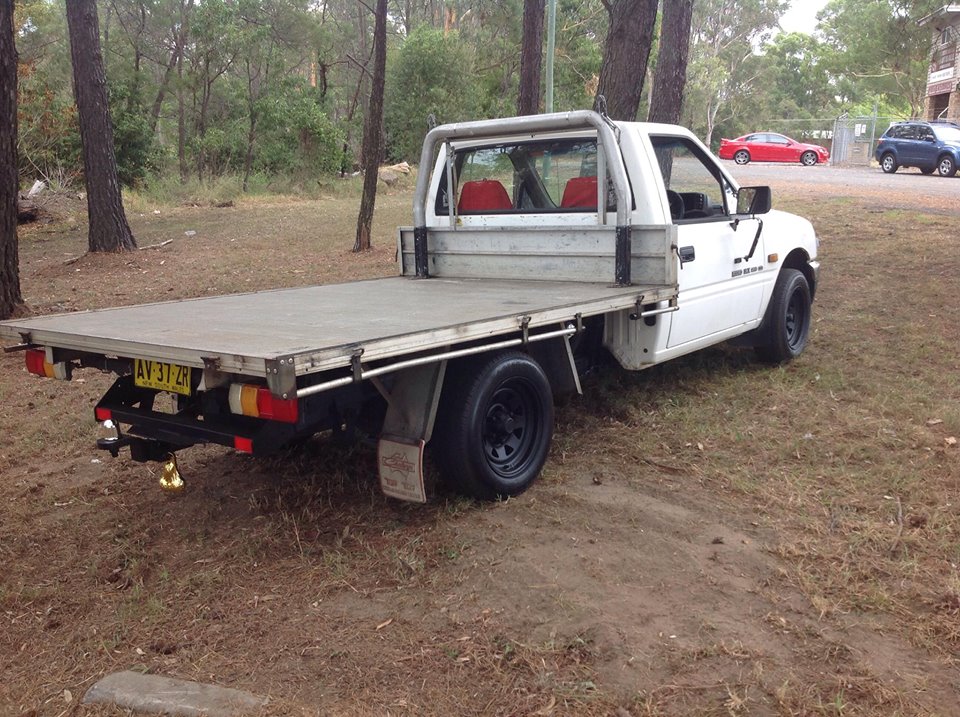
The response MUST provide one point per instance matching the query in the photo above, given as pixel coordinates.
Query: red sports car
(771, 147)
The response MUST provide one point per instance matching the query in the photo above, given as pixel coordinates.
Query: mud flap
(411, 409)
(400, 465)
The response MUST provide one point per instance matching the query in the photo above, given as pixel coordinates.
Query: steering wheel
(676, 204)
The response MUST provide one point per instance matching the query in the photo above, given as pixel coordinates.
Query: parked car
(771, 147)
(929, 146)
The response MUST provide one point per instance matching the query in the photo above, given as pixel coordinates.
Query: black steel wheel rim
(511, 427)
(795, 320)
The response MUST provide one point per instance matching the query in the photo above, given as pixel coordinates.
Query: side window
(552, 176)
(909, 131)
(777, 139)
(696, 189)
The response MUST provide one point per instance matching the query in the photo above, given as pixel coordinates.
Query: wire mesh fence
(851, 139)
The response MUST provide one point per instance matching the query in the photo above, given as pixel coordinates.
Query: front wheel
(888, 163)
(494, 426)
(808, 159)
(786, 326)
(946, 167)
(742, 157)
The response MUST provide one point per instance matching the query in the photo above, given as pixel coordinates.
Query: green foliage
(880, 45)
(48, 146)
(798, 78)
(135, 149)
(432, 73)
(296, 135)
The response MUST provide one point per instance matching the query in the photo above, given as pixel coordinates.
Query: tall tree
(10, 295)
(108, 229)
(531, 55)
(880, 45)
(670, 74)
(372, 129)
(625, 55)
(724, 68)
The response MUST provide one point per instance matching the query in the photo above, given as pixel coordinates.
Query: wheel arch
(947, 154)
(799, 259)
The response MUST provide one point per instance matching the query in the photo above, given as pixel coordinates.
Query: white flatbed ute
(538, 242)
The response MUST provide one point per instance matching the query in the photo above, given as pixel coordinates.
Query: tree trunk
(248, 158)
(181, 123)
(174, 64)
(372, 134)
(625, 55)
(670, 74)
(531, 58)
(108, 229)
(10, 296)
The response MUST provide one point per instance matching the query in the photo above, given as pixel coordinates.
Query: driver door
(719, 289)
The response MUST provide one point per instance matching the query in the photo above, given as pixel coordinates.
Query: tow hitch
(170, 479)
(113, 443)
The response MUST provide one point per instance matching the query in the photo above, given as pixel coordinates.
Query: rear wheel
(742, 157)
(888, 163)
(808, 159)
(494, 426)
(946, 167)
(786, 327)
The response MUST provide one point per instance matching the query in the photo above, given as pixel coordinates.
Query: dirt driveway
(712, 536)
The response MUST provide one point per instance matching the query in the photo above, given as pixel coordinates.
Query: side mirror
(754, 200)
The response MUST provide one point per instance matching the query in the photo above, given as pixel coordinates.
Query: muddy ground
(710, 537)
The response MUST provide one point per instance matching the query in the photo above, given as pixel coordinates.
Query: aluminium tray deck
(321, 327)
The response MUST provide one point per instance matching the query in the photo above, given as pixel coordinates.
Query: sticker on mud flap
(401, 470)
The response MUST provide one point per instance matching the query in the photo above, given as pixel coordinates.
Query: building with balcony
(943, 81)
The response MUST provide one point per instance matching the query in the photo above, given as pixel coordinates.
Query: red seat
(580, 193)
(483, 195)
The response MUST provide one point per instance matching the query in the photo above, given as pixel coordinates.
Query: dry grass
(710, 537)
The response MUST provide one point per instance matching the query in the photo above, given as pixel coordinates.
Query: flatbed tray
(322, 327)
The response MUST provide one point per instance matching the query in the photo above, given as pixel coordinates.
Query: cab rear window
(556, 176)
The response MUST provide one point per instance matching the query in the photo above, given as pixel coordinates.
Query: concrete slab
(170, 696)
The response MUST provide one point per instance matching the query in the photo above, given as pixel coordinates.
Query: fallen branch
(77, 258)
(155, 246)
(896, 540)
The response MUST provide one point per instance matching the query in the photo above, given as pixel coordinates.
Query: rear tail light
(36, 361)
(257, 402)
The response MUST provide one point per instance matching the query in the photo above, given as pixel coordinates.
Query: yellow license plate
(162, 376)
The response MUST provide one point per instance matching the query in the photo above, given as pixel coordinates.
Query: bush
(432, 73)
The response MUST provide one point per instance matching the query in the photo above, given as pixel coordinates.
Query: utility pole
(551, 43)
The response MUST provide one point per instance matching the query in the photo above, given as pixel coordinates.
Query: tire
(946, 167)
(808, 159)
(786, 326)
(494, 426)
(742, 157)
(888, 163)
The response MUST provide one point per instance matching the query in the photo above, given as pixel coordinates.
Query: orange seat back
(482, 196)
(580, 193)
